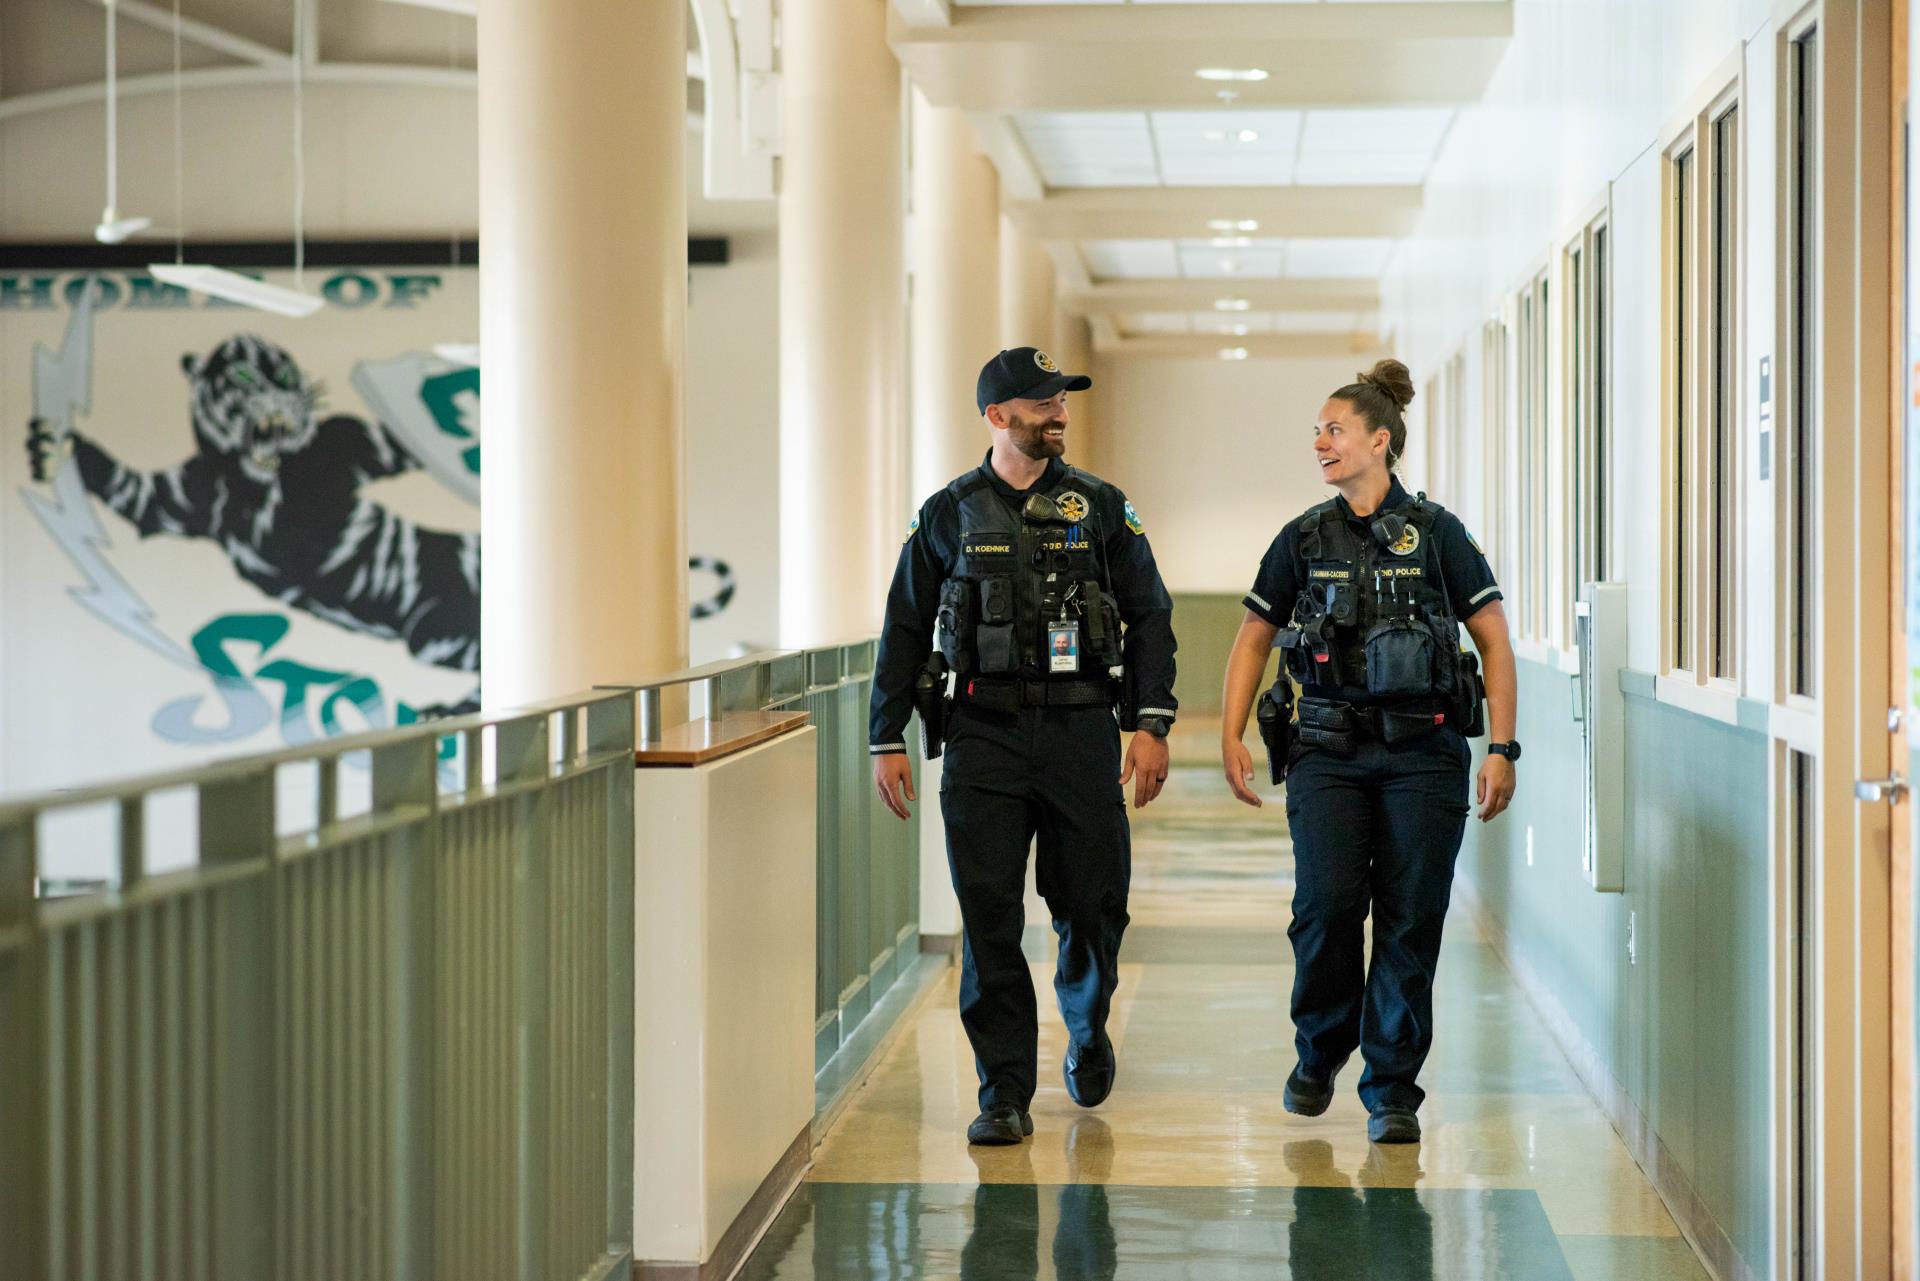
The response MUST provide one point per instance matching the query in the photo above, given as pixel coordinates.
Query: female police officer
(1364, 594)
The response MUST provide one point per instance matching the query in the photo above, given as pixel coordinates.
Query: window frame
(1703, 453)
(1582, 553)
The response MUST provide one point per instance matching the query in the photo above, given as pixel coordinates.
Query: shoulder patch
(913, 527)
(1474, 541)
(1133, 519)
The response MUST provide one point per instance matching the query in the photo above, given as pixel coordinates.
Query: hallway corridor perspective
(1192, 1169)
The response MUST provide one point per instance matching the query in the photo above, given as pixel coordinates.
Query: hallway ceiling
(1181, 207)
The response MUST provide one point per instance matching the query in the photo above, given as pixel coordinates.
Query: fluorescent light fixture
(1230, 304)
(218, 282)
(1239, 331)
(1233, 353)
(1231, 242)
(458, 353)
(112, 230)
(1221, 135)
(1233, 224)
(1231, 73)
(1247, 135)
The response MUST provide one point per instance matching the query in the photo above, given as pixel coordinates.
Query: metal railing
(382, 1026)
(381, 1029)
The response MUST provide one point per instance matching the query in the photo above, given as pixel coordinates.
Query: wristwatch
(1154, 725)
(1509, 749)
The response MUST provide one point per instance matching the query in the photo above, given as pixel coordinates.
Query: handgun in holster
(930, 702)
(1275, 717)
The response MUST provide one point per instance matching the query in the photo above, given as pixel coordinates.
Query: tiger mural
(278, 486)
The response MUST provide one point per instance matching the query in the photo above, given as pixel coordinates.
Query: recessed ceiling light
(1233, 353)
(1239, 331)
(1247, 135)
(1230, 304)
(1237, 135)
(1233, 224)
(1231, 242)
(1231, 73)
(1228, 264)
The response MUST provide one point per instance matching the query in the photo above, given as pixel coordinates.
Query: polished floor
(1192, 1169)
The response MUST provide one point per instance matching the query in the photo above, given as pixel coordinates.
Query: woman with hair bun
(1365, 594)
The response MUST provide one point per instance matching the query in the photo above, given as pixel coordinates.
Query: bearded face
(1038, 428)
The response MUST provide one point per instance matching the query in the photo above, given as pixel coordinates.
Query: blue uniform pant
(1054, 773)
(1379, 830)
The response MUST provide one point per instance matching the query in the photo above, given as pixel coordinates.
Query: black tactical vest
(1373, 615)
(1022, 585)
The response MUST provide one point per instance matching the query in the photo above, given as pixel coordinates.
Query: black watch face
(1512, 751)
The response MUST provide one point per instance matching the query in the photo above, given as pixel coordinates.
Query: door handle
(1891, 790)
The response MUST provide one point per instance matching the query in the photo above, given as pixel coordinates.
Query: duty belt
(1338, 726)
(1007, 692)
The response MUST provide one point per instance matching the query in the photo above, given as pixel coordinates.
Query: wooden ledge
(697, 742)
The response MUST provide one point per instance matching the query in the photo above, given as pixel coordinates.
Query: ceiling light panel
(1337, 259)
(1229, 326)
(1130, 259)
(1090, 148)
(1200, 260)
(1374, 130)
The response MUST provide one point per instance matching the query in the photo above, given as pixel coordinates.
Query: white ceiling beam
(1112, 57)
(1001, 143)
(925, 13)
(1070, 272)
(343, 73)
(1119, 297)
(1257, 346)
(1182, 213)
(469, 8)
(195, 32)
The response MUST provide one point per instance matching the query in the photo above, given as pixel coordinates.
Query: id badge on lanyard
(1063, 647)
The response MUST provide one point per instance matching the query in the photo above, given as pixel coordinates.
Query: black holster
(1274, 713)
(1470, 697)
(930, 702)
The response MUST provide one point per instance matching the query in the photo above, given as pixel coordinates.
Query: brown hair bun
(1391, 377)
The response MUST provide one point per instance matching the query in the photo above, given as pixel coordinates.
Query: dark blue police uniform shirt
(1469, 579)
(906, 637)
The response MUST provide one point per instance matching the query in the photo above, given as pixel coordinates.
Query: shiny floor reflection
(1192, 1169)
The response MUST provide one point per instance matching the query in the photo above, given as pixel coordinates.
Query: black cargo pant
(1379, 829)
(1053, 772)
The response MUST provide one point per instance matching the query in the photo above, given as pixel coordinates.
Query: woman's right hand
(1238, 763)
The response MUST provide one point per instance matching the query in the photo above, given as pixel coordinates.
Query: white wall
(1217, 455)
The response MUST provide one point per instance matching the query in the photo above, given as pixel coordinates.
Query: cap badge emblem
(1073, 507)
(1408, 543)
(1045, 362)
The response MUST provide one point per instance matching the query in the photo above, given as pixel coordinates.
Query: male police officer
(1031, 569)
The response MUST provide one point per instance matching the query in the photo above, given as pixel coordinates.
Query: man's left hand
(1146, 767)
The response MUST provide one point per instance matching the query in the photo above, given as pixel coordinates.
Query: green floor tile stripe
(1094, 1232)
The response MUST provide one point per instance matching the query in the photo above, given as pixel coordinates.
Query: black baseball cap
(1023, 373)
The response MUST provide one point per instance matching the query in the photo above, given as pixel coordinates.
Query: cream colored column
(956, 306)
(582, 321)
(1073, 352)
(1026, 290)
(842, 320)
(955, 330)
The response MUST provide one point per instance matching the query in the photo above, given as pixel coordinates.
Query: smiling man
(1036, 582)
